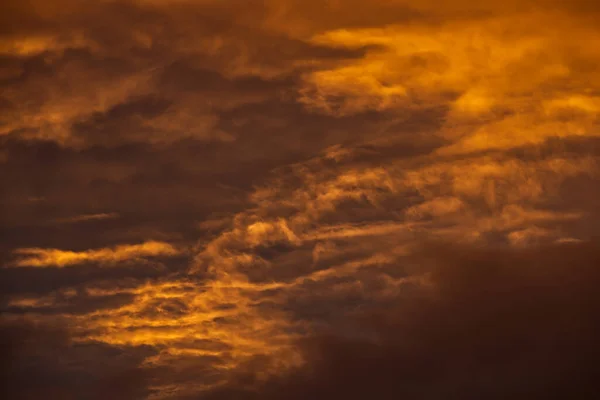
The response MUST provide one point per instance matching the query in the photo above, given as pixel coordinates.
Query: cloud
(155, 76)
(479, 322)
(488, 324)
(42, 360)
(228, 181)
(481, 68)
(36, 257)
(88, 217)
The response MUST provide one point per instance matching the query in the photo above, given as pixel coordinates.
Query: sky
(291, 199)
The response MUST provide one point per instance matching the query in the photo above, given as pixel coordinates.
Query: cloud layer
(269, 199)
(487, 324)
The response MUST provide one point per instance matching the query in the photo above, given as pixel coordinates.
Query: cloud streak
(36, 257)
(88, 217)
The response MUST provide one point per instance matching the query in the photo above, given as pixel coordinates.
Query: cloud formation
(480, 322)
(487, 323)
(35, 257)
(231, 199)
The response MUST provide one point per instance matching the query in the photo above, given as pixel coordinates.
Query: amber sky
(295, 199)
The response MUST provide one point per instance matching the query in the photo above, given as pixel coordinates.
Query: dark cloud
(48, 182)
(127, 274)
(122, 119)
(492, 324)
(81, 303)
(40, 360)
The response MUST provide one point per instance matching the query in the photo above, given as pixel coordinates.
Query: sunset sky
(299, 199)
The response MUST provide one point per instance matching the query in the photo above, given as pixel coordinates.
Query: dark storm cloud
(492, 324)
(40, 360)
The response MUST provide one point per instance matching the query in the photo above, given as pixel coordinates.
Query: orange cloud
(503, 77)
(335, 98)
(38, 257)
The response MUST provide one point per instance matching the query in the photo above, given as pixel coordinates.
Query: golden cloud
(335, 99)
(39, 257)
(507, 81)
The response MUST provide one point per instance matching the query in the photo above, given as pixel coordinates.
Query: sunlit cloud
(198, 191)
(37, 257)
(482, 70)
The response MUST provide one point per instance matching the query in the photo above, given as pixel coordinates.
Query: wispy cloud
(38, 257)
(87, 217)
(201, 183)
